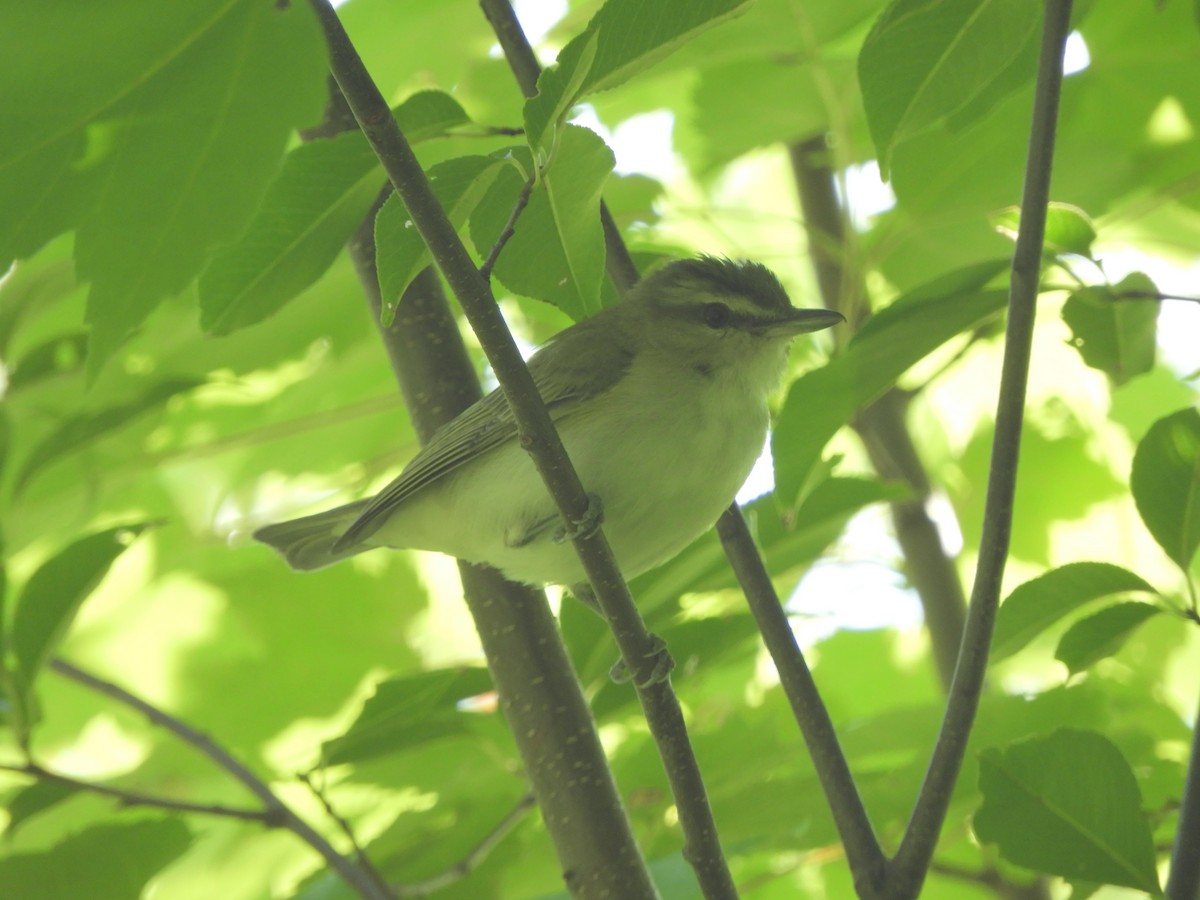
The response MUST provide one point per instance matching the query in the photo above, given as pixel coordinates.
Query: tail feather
(307, 543)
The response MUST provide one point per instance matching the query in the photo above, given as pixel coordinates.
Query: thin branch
(1183, 880)
(510, 228)
(360, 854)
(137, 798)
(866, 858)
(702, 847)
(921, 835)
(474, 857)
(274, 809)
(559, 747)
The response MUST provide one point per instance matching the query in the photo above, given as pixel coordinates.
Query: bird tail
(307, 543)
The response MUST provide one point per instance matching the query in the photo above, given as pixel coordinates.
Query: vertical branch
(539, 694)
(921, 835)
(1183, 881)
(882, 426)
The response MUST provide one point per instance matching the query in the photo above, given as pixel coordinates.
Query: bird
(661, 401)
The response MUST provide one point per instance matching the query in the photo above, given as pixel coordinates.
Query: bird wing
(564, 376)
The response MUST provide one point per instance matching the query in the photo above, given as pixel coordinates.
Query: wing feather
(564, 376)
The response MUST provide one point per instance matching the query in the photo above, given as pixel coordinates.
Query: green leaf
(1067, 804)
(557, 251)
(83, 429)
(103, 862)
(633, 36)
(1101, 635)
(54, 593)
(1068, 228)
(400, 253)
(1166, 484)
(321, 195)
(37, 798)
(1118, 337)
(178, 155)
(923, 62)
(823, 400)
(1040, 602)
(406, 712)
(558, 88)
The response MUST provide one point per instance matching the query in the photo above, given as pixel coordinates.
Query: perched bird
(661, 403)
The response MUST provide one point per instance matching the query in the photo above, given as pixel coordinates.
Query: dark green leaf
(1115, 336)
(59, 355)
(633, 36)
(400, 253)
(173, 157)
(1101, 635)
(1040, 602)
(52, 596)
(84, 428)
(1067, 804)
(823, 400)
(30, 801)
(405, 712)
(557, 251)
(103, 862)
(923, 62)
(1166, 484)
(314, 205)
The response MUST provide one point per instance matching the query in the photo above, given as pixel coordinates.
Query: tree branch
(1183, 880)
(663, 714)
(882, 426)
(853, 824)
(275, 811)
(539, 693)
(921, 835)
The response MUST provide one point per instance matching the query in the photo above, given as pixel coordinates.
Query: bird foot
(656, 671)
(585, 526)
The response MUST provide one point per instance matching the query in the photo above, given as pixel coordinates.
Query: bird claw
(659, 670)
(585, 527)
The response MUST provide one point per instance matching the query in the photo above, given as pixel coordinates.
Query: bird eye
(716, 315)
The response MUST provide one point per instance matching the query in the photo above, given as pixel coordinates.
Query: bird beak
(803, 321)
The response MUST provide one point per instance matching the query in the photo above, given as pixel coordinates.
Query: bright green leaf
(39, 797)
(1040, 602)
(405, 712)
(558, 88)
(87, 427)
(1101, 635)
(1166, 484)
(400, 253)
(923, 62)
(52, 596)
(557, 251)
(823, 400)
(1118, 337)
(1067, 804)
(1068, 228)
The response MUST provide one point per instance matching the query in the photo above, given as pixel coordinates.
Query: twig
(137, 798)
(921, 835)
(359, 853)
(274, 809)
(866, 857)
(474, 857)
(526, 69)
(510, 228)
